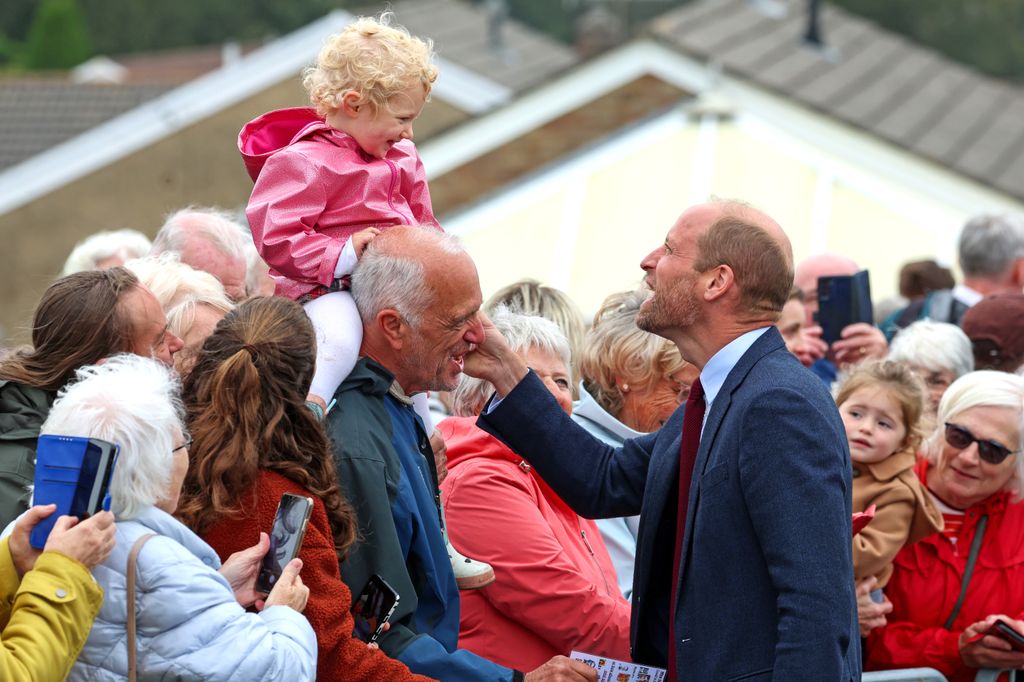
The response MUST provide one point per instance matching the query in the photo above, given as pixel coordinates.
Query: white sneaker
(470, 574)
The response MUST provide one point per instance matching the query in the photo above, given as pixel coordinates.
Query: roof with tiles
(39, 113)
(867, 77)
(36, 114)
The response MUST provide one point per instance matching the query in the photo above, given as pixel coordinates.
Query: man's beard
(677, 308)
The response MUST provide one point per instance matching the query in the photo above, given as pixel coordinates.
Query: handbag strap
(972, 558)
(133, 560)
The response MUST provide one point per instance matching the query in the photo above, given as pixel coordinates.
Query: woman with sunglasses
(948, 590)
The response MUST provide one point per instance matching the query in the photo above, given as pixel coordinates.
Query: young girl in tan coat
(881, 403)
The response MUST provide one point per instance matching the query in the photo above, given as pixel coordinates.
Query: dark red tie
(693, 420)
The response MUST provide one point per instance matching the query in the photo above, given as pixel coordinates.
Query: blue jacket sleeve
(427, 657)
(595, 479)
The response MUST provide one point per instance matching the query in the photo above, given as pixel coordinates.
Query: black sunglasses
(989, 450)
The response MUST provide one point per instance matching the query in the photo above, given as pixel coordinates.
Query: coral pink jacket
(555, 587)
(315, 188)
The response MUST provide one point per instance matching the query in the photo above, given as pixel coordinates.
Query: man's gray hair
(935, 346)
(382, 281)
(990, 243)
(217, 227)
(131, 401)
(523, 333)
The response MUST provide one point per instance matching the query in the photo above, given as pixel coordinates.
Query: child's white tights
(339, 335)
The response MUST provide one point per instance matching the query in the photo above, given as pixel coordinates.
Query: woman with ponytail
(254, 439)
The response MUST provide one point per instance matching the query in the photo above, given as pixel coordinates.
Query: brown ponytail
(245, 403)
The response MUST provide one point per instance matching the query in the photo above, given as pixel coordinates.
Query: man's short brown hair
(763, 270)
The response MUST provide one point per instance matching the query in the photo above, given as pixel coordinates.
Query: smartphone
(843, 300)
(74, 473)
(373, 609)
(1003, 630)
(285, 539)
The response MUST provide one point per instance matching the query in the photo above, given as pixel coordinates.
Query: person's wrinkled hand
(990, 651)
(562, 669)
(870, 614)
(493, 359)
(814, 348)
(289, 590)
(89, 542)
(242, 568)
(440, 455)
(859, 341)
(362, 238)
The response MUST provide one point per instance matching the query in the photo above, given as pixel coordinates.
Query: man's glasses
(187, 444)
(989, 450)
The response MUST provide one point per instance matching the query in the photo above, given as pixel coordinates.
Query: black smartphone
(373, 609)
(74, 473)
(285, 538)
(1003, 630)
(843, 300)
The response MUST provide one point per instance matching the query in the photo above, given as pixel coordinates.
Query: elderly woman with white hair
(555, 587)
(189, 619)
(948, 589)
(106, 249)
(938, 352)
(632, 382)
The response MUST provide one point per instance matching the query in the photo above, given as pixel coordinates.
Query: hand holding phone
(285, 539)
(373, 609)
(842, 301)
(74, 474)
(1006, 632)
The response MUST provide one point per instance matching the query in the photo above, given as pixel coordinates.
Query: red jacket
(555, 587)
(339, 655)
(926, 583)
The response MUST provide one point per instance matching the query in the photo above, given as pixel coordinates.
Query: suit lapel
(766, 343)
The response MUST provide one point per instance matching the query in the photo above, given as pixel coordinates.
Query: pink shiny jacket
(315, 188)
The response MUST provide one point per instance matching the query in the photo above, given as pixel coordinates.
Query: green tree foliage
(986, 34)
(120, 26)
(58, 37)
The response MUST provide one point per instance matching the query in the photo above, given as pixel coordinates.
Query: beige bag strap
(133, 560)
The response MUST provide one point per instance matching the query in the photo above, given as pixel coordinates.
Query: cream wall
(585, 224)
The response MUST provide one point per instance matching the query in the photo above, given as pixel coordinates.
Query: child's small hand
(363, 237)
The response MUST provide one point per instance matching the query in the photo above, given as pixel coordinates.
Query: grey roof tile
(867, 77)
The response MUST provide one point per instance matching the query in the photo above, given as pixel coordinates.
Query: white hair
(88, 253)
(174, 282)
(255, 266)
(523, 333)
(131, 401)
(381, 281)
(935, 346)
(983, 388)
(215, 226)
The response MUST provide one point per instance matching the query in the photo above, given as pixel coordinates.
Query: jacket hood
(273, 131)
(464, 441)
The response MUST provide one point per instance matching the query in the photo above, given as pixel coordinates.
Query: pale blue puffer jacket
(189, 625)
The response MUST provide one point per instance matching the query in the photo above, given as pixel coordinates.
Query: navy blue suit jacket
(766, 586)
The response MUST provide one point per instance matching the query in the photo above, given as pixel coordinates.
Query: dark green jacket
(23, 409)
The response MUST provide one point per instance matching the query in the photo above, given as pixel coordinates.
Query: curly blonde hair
(905, 387)
(373, 58)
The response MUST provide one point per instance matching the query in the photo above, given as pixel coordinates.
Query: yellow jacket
(44, 622)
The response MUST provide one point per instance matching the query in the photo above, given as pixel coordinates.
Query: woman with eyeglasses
(949, 590)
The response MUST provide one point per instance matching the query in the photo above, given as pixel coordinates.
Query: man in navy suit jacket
(765, 582)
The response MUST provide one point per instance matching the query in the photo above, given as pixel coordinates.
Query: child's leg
(339, 334)
(421, 403)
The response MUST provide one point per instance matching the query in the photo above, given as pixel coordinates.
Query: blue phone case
(843, 300)
(73, 473)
